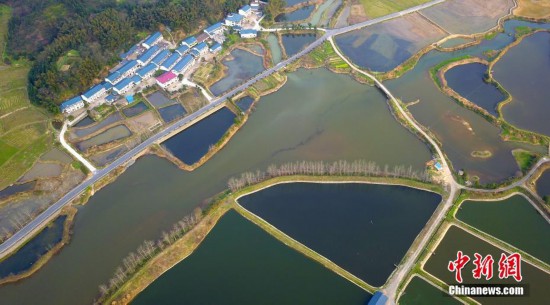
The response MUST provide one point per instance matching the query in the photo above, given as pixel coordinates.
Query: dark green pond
(535, 231)
(468, 81)
(350, 224)
(172, 112)
(134, 110)
(239, 263)
(420, 292)
(245, 103)
(31, 252)
(543, 184)
(240, 66)
(84, 122)
(297, 15)
(458, 240)
(294, 43)
(194, 142)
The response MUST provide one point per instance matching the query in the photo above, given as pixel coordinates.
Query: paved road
(27, 231)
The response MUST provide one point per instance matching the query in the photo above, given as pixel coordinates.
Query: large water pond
(469, 81)
(317, 115)
(240, 66)
(297, 15)
(172, 112)
(384, 46)
(158, 99)
(29, 254)
(194, 142)
(543, 184)
(461, 131)
(248, 266)
(350, 224)
(524, 71)
(535, 230)
(294, 43)
(459, 240)
(420, 292)
(109, 135)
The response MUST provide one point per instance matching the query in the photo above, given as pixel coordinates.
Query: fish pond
(456, 240)
(350, 224)
(158, 100)
(16, 188)
(90, 129)
(30, 253)
(112, 134)
(297, 15)
(193, 143)
(469, 81)
(135, 110)
(420, 292)
(294, 43)
(516, 210)
(245, 103)
(248, 266)
(543, 184)
(524, 71)
(172, 112)
(316, 115)
(275, 48)
(240, 66)
(84, 122)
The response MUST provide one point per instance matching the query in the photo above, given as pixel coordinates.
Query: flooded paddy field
(159, 100)
(240, 66)
(459, 240)
(172, 112)
(350, 224)
(56, 155)
(543, 184)
(112, 134)
(524, 71)
(193, 143)
(106, 157)
(468, 16)
(90, 129)
(297, 15)
(294, 43)
(384, 46)
(516, 210)
(248, 266)
(31, 252)
(420, 292)
(468, 81)
(317, 115)
(135, 110)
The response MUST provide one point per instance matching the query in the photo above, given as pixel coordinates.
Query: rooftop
(166, 77)
(246, 8)
(213, 27)
(249, 31)
(190, 40)
(147, 69)
(113, 76)
(145, 57)
(182, 49)
(160, 57)
(123, 84)
(93, 91)
(236, 18)
(152, 38)
(70, 102)
(127, 67)
(170, 61)
(182, 64)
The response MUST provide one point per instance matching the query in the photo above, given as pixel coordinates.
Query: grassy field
(525, 159)
(377, 8)
(538, 9)
(24, 129)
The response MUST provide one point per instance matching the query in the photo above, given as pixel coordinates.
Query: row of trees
(147, 250)
(321, 168)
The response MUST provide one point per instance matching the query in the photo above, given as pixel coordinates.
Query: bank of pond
(456, 240)
(506, 216)
(420, 292)
(33, 250)
(239, 263)
(363, 228)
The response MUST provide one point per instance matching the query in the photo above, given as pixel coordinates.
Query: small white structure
(248, 33)
(94, 93)
(215, 48)
(199, 50)
(72, 105)
(245, 10)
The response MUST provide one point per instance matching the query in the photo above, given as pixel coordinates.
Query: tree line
(45, 30)
(322, 168)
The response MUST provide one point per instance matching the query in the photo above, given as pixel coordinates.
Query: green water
(458, 240)
(275, 47)
(350, 224)
(506, 217)
(420, 292)
(543, 184)
(239, 263)
(317, 115)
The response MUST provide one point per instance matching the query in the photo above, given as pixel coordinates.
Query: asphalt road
(42, 219)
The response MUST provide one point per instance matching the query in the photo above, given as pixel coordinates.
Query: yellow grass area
(24, 128)
(377, 8)
(538, 9)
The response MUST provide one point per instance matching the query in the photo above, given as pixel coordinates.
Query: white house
(72, 105)
(248, 33)
(245, 10)
(214, 29)
(234, 20)
(215, 48)
(124, 85)
(94, 93)
(199, 49)
(147, 71)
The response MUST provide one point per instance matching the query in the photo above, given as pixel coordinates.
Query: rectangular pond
(112, 134)
(245, 103)
(135, 110)
(297, 15)
(193, 143)
(158, 100)
(248, 266)
(420, 292)
(92, 128)
(172, 112)
(350, 224)
(294, 43)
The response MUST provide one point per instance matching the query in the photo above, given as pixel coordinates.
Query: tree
(274, 8)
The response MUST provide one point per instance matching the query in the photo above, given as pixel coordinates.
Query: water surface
(248, 266)
(112, 134)
(543, 184)
(158, 99)
(294, 43)
(276, 52)
(135, 110)
(172, 112)
(241, 66)
(297, 15)
(245, 103)
(350, 224)
(420, 292)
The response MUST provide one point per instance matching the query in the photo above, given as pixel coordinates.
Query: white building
(234, 20)
(166, 79)
(72, 105)
(152, 40)
(94, 93)
(214, 29)
(245, 10)
(124, 86)
(248, 33)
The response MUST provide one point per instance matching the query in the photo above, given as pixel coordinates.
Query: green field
(377, 8)
(24, 129)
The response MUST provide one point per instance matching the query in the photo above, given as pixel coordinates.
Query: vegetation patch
(525, 159)
(481, 154)
(378, 8)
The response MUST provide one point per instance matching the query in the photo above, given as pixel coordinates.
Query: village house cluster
(138, 66)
